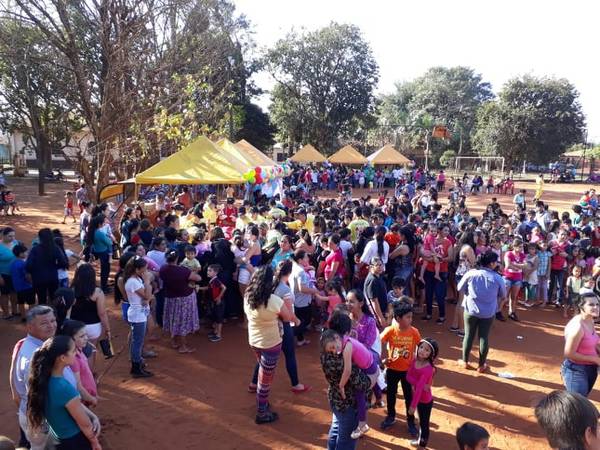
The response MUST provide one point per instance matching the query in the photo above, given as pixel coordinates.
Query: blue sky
(499, 39)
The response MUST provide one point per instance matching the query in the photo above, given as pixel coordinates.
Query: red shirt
(558, 262)
(441, 247)
(216, 287)
(332, 258)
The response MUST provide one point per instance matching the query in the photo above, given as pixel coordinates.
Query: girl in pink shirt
(420, 376)
(86, 385)
(333, 298)
(514, 263)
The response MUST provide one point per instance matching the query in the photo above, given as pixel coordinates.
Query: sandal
(483, 369)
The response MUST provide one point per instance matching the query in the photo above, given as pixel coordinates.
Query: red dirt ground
(200, 400)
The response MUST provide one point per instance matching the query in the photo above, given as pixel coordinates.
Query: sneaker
(359, 431)
(426, 318)
(513, 316)
(214, 338)
(412, 430)
(388, 422)
(440, 321)
(415, 442)
(269, 417)
(500, 317)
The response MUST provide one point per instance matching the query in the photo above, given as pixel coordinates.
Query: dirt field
(200, 400)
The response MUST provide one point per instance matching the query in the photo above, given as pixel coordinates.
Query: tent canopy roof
(308, 154)
(388, 155)
(200, 162)
(347, 155)
(258, 156)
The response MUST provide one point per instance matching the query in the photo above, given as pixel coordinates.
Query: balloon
(258, 170)
(252, 180)
(258, 180)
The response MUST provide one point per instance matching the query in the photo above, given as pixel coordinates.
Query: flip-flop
(305, 388)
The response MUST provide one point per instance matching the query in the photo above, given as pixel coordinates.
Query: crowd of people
(360, 272)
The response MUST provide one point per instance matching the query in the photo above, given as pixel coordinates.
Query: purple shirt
(366, 330)
(175, 281)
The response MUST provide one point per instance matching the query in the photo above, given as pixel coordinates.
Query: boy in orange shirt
(400, 341)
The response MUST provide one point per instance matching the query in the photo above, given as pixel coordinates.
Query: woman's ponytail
(40, 371)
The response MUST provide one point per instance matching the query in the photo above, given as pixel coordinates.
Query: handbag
(106, 347)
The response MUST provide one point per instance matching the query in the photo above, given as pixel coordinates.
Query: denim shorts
(512, 283)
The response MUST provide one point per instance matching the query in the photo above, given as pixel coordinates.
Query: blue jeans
(289, 351)
(343, 423)
(138, 331)
(556, 282)
(437, 287)
(104, 268)
(578, 378)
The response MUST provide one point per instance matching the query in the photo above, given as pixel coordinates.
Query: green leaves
(324, 83)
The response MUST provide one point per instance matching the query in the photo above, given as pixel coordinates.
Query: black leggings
(303, 313)
(392, 378)
(77, 442)
(45, 291)
(424, 410)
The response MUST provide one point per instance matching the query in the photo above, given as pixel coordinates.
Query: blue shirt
(102, 243)
(6, 257)
(17, 273)
(60, 392)
(482, 289)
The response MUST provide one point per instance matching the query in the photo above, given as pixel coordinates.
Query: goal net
(481, 165)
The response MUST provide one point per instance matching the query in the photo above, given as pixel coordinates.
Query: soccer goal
(481, 165)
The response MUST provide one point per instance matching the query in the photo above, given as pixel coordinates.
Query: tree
(146, 75)
(534, 119)
(447, 158)
(443, 96)
(33, 98)
(256, 127)
(324, 84)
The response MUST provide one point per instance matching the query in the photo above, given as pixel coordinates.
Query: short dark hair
(215, 267)
(470, 434)
(19, 249)
(565, 417)
(401, 309)
(340, 322)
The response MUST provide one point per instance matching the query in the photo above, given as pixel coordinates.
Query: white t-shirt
(345, 246)
(371, 251)
(62, 273)
(137, 312)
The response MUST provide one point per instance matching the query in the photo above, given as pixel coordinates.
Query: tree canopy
(533, 119)
(324, 84)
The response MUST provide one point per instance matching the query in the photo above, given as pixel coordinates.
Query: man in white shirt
(41, 325)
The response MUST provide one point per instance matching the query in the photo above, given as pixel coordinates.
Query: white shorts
(244, 276)
(94, 330)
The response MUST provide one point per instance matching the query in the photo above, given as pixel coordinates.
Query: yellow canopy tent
(200, 162)
(308, 154)
(347, 155)
(258, 156)
(234, 151)
(388, 155)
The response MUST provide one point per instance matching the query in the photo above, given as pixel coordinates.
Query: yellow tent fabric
(235, 152)
(200, 162)
(388, 155)
(258, 156)
(308, 154)
(347, 155)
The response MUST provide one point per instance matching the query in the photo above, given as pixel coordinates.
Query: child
(21, 280)
(573, 285)
(10, 202)
(543, 272)
(354, 353)
(86, 385)
(530, 275)
(333, 298)
(471, 436)
(400, 341)
(217, 290)
(191, 262)
(397, 291)
(519, 199)
(420, 376)
(588, 286)
(436, 252)
(69, 207)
